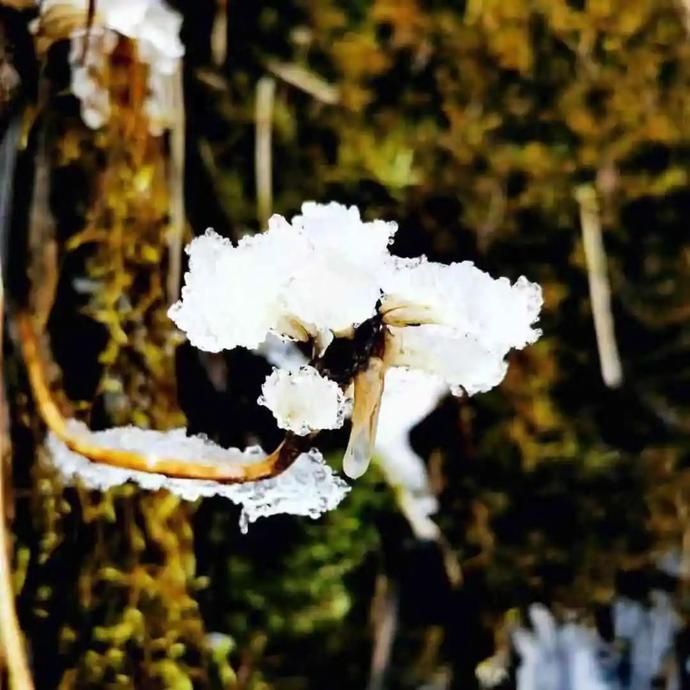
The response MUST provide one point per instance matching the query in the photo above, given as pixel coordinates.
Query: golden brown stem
(272, 465)
(365, 416)
(11, 639)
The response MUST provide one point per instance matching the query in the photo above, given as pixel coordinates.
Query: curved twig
(275, 463)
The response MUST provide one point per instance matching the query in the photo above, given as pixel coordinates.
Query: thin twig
(271, 466)
(263, 159)
(11, 637)
(304, 80)
(599, 287)
(176, 188)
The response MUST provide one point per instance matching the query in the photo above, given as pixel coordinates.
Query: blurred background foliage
(471, 123)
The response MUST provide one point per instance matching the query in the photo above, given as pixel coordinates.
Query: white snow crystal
(153, 25)
(231, 293)
(337, 287)
(324, 273)
(463, 298)
(303, 401)
(462, 361)
(86, 78)
(313, 278)
(308, 487)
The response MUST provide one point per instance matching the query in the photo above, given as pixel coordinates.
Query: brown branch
(271, 466)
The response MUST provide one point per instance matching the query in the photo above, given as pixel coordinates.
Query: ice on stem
(308, 487)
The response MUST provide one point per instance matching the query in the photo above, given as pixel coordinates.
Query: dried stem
(271, 466)
(263, 159)
(365, 415)
(219, 34)
(176, 189)
(599, 287)
(304, 80)
(11, 639)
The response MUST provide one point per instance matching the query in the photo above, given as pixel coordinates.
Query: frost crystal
(461, 361)
(87, 70)
(325, 273)
(322, 275)
(308, 487)
(313, 278)
(649, 633)
(156, 29)
(303, 401)
(456, 321)
(231, 293)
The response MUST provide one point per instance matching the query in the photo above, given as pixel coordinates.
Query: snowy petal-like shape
(87, 74)
(311, 279)
(461, 361)
(231, 293)
(153, 25)
(308, 487)
(303, 401)
(159, 37)
(339, 230)
(338, 288)
(464, 298)
(152, 22)
(330, 295)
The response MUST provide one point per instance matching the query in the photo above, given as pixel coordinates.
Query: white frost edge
(303, 401)
(309, 487)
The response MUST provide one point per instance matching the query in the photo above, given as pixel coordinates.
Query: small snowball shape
(303, 401)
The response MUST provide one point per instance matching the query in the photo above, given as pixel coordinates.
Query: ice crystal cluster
(303, 400)
(325, 273)
(155, 29)
(417, 329)
(308, 487)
